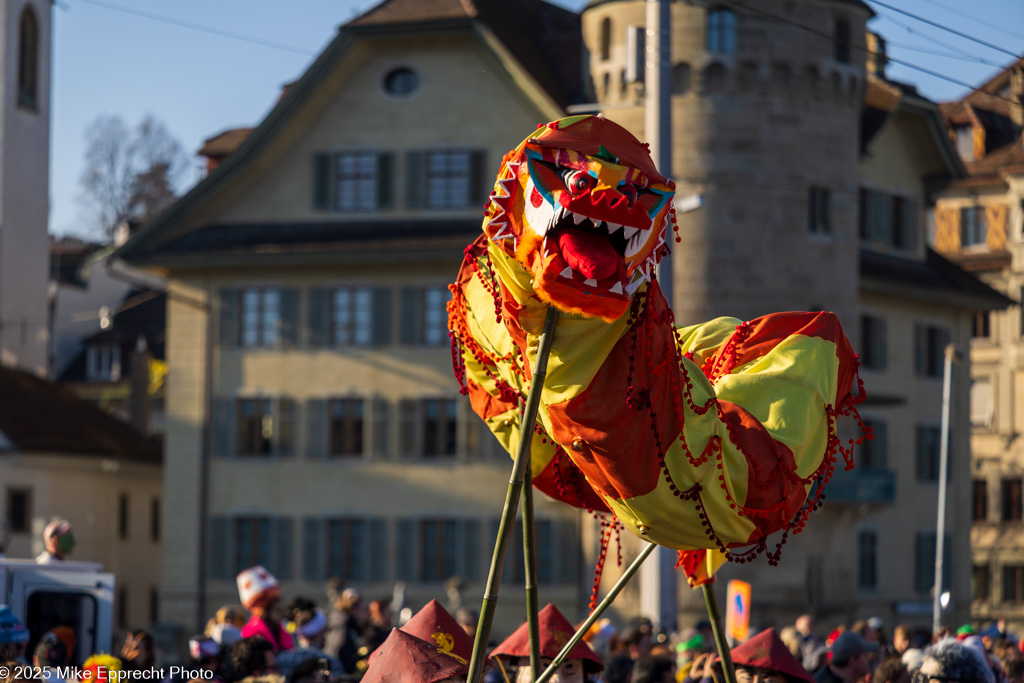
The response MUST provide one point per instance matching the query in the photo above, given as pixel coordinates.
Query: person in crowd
(344, 628)
(1012, 663)
(58, 542)
(261, 595)
(468, 619)
(66, 634)
(619, 670)
(310, 629)
(231, 615)
(13, 637)
(250, 658)
(51, 654)
(766, 659)
(810, 644)
(689, 646)
(791, 639)
(654, 669)
(206, 655)
(901, 639)
(139, 651)
(311, 671)
(950, 661)
(849, 659)
(377, 628)
(512, 656)
(603, 638)
(637, 637)
(891, 670)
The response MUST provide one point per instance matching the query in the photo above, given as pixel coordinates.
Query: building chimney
(877, 58)
(139, 407)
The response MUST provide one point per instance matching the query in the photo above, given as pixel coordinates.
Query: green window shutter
(285, 436)
(480, 181)
(379, 445)
(316, 428)
(410, 427)
(415, 180)
(318, 317)
(289, 321)
(406, 550)
(566, 551)
(322, 180)
(223, 426)
(228, 305)
(220, 548)
(469, 543)
(313, 538)
(378, 549)
(385, 180)
(381, 297)
(283, 557)
(411, 324)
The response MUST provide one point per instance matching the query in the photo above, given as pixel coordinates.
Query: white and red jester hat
(257, 587)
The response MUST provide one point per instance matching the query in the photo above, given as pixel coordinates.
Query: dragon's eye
(629, 192)
(577, 182)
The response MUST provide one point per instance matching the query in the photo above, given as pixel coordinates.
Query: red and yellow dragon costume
(703, 437)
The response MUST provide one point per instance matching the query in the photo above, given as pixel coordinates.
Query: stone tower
(766, 110)
(24, 182)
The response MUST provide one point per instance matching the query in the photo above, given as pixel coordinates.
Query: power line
(941, 43)
(199, 27)
(946, 28)
(938, 53)
(996, 27)
(865, 49)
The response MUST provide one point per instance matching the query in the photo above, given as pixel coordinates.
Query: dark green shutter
(220, 548)
(406, 550)
(223, 426)
(289, 322)
(920, 350)
(379, 445)
(385, 180)
(381, 316)
(378, 550)
(285, 413)
(318, 317)
(410, 427)
(322, 178)
(316, 428)
(228, 304)
(284, 553)
(479, 179)
(880, 445)
(410, 324)
(415, 180)
(313, 540)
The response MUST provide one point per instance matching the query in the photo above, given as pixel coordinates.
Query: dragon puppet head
(581, 206)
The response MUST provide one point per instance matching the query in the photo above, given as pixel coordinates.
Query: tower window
(606, 39)
(721, 32)
(28, 60)
(841, 41)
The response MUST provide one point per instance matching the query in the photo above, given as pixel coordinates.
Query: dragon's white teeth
(616, 288)
(598, 224)
(590, 282)
(629, 231)
(633, 244)
(567, 273)
(613, 227)
(579, 218)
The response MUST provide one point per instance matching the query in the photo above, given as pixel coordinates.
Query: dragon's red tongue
(588, 253)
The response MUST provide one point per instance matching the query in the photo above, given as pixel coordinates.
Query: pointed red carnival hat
(767, 651)
(555, 632)
(435, 625)
(407, 659)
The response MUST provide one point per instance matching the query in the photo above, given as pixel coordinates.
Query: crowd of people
(299, 642)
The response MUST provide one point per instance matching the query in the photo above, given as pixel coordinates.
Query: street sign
(737, 612)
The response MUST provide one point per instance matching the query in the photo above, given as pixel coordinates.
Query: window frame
(819, 210)
(281, 411)
(353, 553)
(10, 494)
(981, 582)
(868, 564)
(1011, 499)
(1018, 582)
(841, 36)
(438, 182)
(365, 185)
(356, 424)
(258, 538)
(356, 324)
(720, 30)
(415, 431)
(974, 232)
(979, 500)
(874, 342)
(103, 362)
(28, 60)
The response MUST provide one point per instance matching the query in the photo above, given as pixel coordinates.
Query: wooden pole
(530, 560)
(716, 628)
(515, 487)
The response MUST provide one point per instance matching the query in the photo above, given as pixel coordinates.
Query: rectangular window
(930, 350)
(438, 545)
(544, 540)
(352, 316)
(928, 453)
(346, 427)
(1013, 584)
(867, 560)
(19, 511)
(252, 543)
(981, 580)
(424, 315)
(154, 520)
(904, 223)
(261, 317)
(1011, 499)
(103, 362)
(439, 427)
(122, 516)
(447, 181)
(972, 226)
(979, 500)
(965, 142)
(346, 544)
(355, 181)
(264, 426)
(982, 406)
(876, 217)
(982, 327)
(873, 342)
(874, 452)
(818, 210)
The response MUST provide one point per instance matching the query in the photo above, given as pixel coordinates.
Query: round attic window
(401, 82)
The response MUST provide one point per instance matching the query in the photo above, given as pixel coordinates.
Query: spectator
(637, 637)
(949, 661)
(310, 629)
(345, 627)
(1012, 662)
(810, 644)
(849, 661)
(891, 670)
(261, 594)
(791, 639)
(654, 669)
(58, 542)
(901, 639)
(250, 658)
(468, 619)
(377, 628)
(206, 654)
(138, 651)
(619, 670)
(51, 653)
(13, 637)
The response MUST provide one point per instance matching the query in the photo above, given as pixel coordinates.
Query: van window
(48, 609)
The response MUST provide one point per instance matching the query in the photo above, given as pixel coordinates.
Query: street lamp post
(952, 356)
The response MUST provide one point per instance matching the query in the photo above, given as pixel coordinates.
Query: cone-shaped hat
(435, 625)
(767, 651)
(405, 658)
(555, 632)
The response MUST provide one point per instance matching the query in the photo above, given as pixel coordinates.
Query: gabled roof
(38, 416)
(933, 279)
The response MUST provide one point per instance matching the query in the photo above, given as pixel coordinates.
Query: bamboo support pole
(716, 628)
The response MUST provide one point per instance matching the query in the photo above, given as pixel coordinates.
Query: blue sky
(109, 61)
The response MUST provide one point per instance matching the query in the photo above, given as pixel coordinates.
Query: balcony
(862, 486)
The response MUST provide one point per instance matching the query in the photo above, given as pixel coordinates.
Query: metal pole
(515, 487)
(716, 628)
(596, 614)
(940, 526)
(530, 560)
